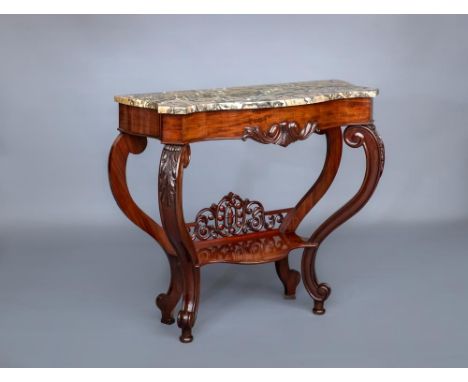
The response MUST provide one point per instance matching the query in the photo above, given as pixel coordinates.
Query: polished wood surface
(236, 230)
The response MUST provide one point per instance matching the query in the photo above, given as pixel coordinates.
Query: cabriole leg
(354, 136)
(123, 145)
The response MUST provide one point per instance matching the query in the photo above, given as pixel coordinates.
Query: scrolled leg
(289, 277)
(354, 136)
(124, 145)
(173, 160)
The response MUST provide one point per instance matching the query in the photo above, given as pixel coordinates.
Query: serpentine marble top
(247, 97)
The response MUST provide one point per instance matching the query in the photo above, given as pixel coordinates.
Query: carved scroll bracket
(355, 138)
(283, 133)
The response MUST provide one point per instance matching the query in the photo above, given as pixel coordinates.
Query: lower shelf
(262, 247)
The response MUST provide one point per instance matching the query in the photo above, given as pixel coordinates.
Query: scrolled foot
(185, 321)
(323, 291)
(318, 291)
(166, 302)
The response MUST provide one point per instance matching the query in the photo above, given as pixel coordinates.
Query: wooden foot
(354, 136)
(318, 307)
(289, 277)
(186, 336)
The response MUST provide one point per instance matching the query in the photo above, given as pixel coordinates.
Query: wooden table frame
(238, 230)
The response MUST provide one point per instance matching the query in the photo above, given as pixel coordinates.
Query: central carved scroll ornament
(233, 216)
(283, 133)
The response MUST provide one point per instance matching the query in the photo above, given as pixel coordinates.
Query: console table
(237, 230)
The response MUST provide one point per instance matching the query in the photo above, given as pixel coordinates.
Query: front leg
(354, 136)
(173, 160)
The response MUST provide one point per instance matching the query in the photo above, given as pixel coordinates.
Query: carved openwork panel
(283, 133)
(233, 216)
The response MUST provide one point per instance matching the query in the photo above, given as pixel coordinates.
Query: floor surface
(84, 297)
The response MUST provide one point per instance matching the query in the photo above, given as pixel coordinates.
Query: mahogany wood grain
(139, 121)
(230, 124)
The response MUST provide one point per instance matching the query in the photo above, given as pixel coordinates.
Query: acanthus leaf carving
(168, 174)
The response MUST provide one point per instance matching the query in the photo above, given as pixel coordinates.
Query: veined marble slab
(247, 97)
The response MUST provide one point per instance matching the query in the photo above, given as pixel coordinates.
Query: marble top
(247, 97)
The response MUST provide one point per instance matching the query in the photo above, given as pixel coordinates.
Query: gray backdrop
(77, 280)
